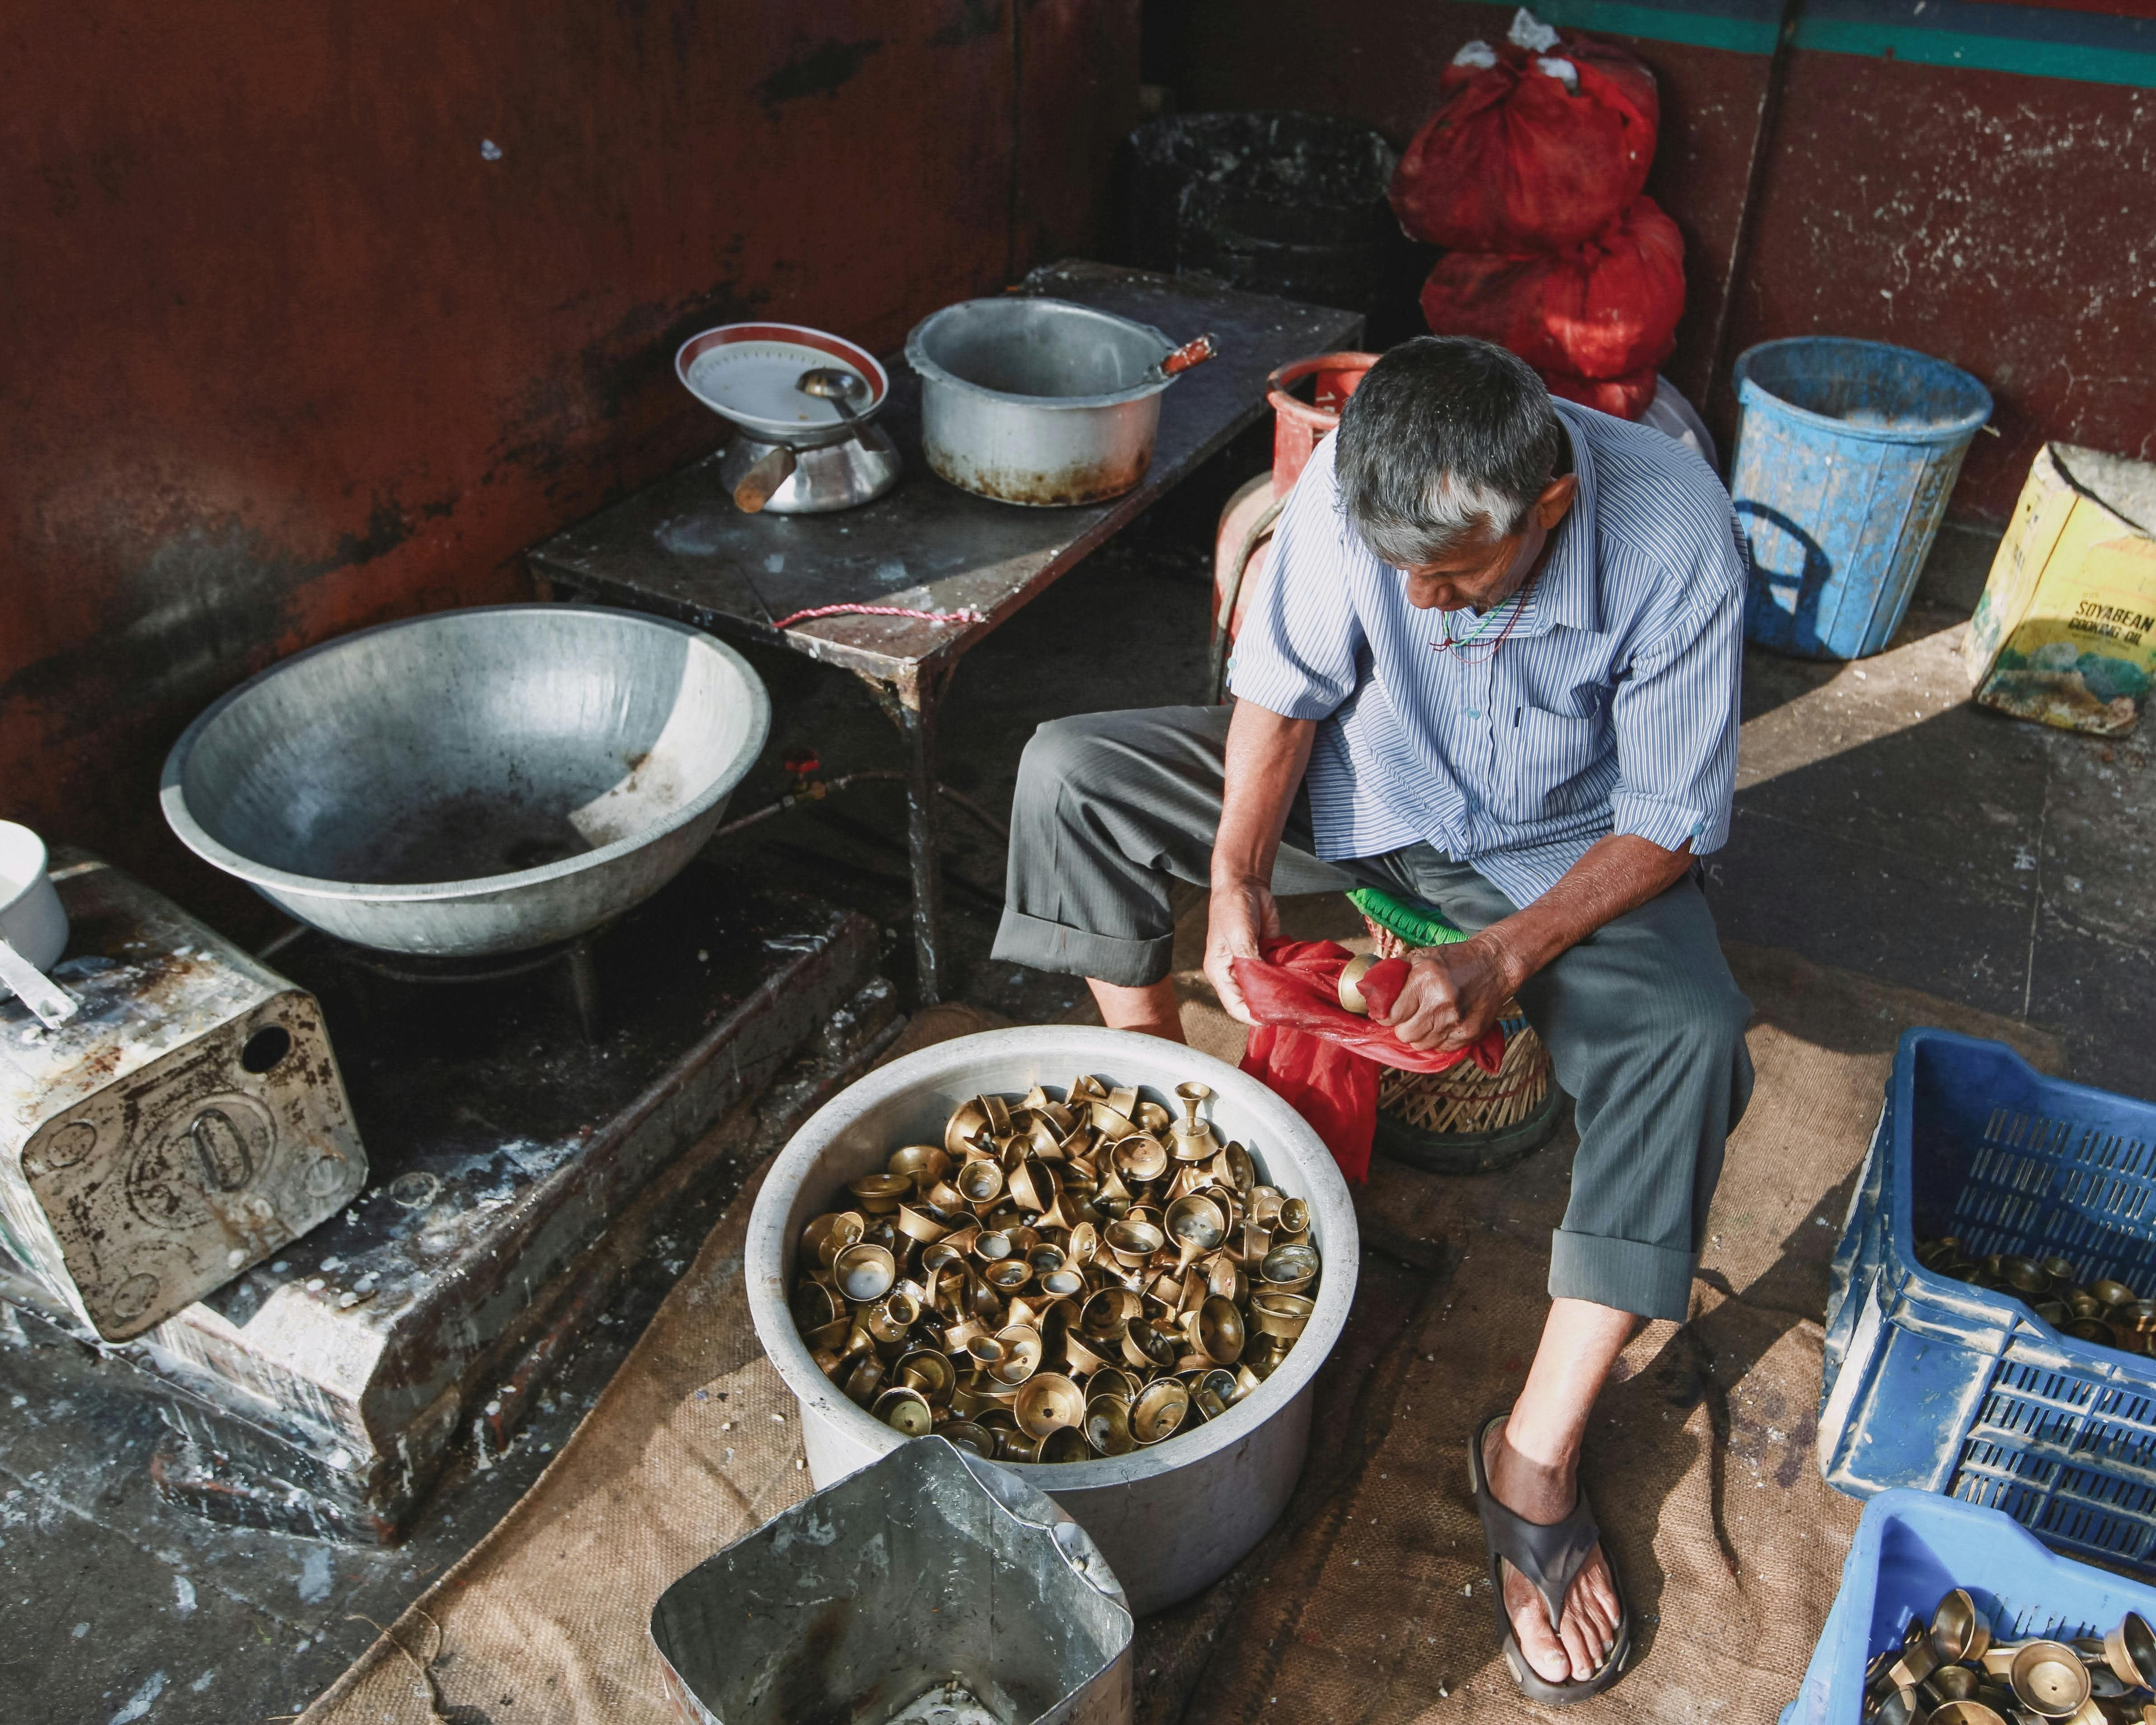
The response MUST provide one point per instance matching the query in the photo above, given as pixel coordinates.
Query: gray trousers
(1644, 1023)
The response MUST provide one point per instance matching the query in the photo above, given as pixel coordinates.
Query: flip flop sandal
(1551, 1558)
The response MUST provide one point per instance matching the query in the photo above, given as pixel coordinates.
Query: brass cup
(1133, 1242)
(1107, 1426)
(1066, 1443)
(1266, 1202)
(1139, 1156)
(965, 1435)
(1084, 1363)
(1021, 1359)
(1196, 1226)
(920, 1227)
(906, 1411)
(1049, 1403)
(1225, 1277)
(1085, 1242)
(880, 1194)
(1952, 1682)
(1014, 1445)
(1290, 1269)
(2112, 1293)
(1966, 1712)
(979, 1180)
(865, 1272)
(2060, 1269)
(1064, 1284)
(991, 1245)
(1105, 1314)
(1158, 1411)
(1916, 1662)
(824, 1239)
(1295, 1215)
(924, 1165)
(1025, 1183)
(2083, 1305)
(2049, 1678)
(929, 1371)
(2091, 1329)
(1006, 1276)
(2130, 1650)
(1148, 1347)
(1218, 1384)
(1960, 1632)
(1116, 1382)
(985, 1350)
(891, 1317)
(865, 1380)
(1220, 1331)
(2053, 1311)
(814, 1306)
(1901, 1705)
(1351, 983)
(1282, 1315)
(967, 1122)
(2025, 1275)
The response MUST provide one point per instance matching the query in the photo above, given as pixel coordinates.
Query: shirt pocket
(1540, 757)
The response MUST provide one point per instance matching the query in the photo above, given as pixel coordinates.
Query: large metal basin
(1038, 401)
(473, 782)
(1172, 1519)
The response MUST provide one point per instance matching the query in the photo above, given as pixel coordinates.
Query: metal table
(681, 548)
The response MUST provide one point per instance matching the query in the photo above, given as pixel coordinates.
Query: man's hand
(1241, 914)
(1452, 997)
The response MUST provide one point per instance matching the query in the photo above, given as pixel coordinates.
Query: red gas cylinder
(1246, 524)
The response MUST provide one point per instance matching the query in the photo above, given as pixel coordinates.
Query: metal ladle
(836, 386)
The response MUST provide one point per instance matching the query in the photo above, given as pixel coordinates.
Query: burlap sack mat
(1368, 1601)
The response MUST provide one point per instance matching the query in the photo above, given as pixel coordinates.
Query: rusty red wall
(1998, 220)
(317, 316)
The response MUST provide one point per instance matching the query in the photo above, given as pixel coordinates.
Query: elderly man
(1494, 665)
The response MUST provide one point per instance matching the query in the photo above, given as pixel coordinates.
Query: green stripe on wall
(1928, 47)
(1990, 54)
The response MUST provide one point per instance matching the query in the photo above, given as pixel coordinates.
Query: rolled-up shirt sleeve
(1299, 651)
(1676, 715)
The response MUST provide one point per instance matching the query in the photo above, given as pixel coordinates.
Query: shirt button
(1474, 712)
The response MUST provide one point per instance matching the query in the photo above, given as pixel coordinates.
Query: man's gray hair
(1445, 438)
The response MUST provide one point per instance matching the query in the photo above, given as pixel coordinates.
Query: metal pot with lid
(804, 402)
(1041, 400)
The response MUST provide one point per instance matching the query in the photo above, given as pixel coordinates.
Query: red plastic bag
(1605, 308)
(1626, 398)
(1515, 160)
(1321, 1058)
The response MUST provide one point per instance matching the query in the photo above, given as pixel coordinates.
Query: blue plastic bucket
(1845, 454)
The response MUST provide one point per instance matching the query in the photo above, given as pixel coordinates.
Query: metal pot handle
(1193, 352)
(761, 480)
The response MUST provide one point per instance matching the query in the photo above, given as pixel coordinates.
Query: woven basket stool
(1465, 1120)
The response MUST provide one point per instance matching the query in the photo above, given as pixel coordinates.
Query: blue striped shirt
(1612, 706)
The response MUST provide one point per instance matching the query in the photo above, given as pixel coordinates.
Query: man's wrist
(1507, 955)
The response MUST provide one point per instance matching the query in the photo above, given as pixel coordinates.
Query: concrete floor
(1882, 825)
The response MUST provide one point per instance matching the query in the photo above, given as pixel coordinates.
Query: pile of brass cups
(1950, 1672)
(1058, 1280)
(2108, 1313)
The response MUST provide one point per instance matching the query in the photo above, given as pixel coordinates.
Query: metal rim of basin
(931, 372)
(171, 790)
(1068, 1049)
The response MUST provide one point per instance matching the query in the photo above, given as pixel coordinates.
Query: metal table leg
(912, 707)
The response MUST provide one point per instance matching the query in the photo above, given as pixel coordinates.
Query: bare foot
(1589, 1628)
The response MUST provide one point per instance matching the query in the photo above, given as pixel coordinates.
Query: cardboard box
(2065, 632)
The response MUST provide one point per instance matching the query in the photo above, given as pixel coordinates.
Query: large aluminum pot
(473, 782)
(1172, 1519)
(1038, 401)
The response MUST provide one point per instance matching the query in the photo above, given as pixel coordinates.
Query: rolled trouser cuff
(1626, 1275)
(1041, 944)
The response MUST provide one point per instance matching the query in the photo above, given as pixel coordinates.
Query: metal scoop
(835, 386)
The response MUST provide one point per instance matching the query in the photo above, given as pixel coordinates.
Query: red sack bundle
(1626, 398)
(1321, 1058)
(1605, 308)
(1537, 143)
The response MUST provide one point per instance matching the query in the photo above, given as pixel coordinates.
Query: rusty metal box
(187, 1122)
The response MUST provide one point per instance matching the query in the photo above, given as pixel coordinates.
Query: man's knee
(1063, 754)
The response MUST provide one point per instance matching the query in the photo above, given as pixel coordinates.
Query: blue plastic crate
(1933, 1384)
(1910, 1549)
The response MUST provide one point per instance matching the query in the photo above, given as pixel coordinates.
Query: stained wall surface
(317, 316)
(1968, 179)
